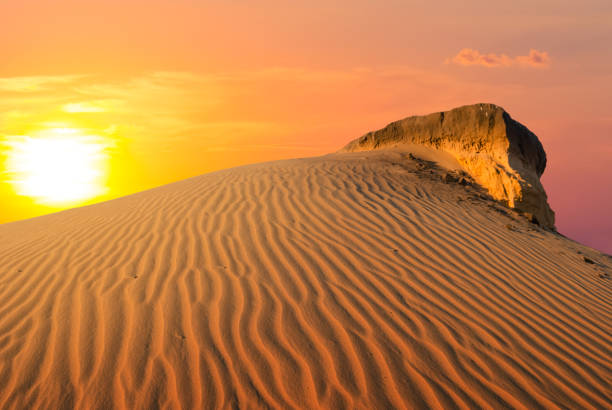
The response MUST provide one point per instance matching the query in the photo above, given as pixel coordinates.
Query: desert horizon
(391, 274)
(305, 205)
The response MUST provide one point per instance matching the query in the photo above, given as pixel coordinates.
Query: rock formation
(499, 153)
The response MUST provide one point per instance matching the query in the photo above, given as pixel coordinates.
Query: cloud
(534, 59)
(35, 83)
(471, 57)
(94, 106)
(195, 110)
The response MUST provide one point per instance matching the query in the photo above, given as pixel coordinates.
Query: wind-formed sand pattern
(357, 280)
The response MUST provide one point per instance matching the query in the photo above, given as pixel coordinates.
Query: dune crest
(356, 280)
(498, 152)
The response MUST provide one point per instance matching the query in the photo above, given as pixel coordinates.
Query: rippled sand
(349, 280)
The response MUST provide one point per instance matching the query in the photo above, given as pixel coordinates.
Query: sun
(58, 167)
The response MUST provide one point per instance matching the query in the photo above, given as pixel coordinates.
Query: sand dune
(355, 280)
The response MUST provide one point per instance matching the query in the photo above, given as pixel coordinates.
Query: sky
(172, 89)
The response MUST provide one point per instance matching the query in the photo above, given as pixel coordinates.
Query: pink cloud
(534, 59)
(470, 57)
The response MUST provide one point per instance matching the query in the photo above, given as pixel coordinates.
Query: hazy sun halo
(57, 168)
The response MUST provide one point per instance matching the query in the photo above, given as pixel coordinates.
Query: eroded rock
(498, 152)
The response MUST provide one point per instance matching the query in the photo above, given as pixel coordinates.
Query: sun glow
(58, 167)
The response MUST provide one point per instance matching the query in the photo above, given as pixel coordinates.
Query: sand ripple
(346, 281)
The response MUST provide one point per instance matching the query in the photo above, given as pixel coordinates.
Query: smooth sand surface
(345, 281)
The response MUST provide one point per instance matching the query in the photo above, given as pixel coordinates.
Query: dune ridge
(355, 280)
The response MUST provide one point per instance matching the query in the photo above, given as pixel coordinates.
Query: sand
(354, 280)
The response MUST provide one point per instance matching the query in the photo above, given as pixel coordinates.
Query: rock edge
(499, 153)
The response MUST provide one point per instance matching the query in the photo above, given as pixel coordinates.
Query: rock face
(499, 153)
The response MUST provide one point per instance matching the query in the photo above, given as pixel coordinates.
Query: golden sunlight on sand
(357, 280)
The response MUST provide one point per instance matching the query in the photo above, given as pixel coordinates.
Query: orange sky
(186, 87)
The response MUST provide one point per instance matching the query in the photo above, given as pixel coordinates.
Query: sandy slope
(350, 280)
